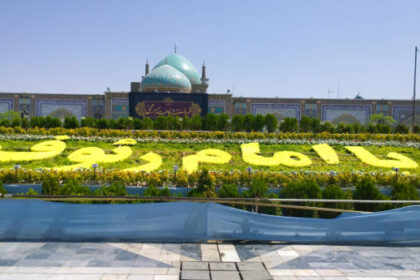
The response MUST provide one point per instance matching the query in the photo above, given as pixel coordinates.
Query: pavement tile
(225, 275)
(251, 266)
(195, 275)
(222, 266)
(281, 272)
(256, 275)
(195, 266)
(166, 277)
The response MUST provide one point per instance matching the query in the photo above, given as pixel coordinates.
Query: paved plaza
(40, 260)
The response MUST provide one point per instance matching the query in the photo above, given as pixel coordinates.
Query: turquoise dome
(183, 65)
(165, 78)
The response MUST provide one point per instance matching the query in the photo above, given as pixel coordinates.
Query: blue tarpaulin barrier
(36, 220)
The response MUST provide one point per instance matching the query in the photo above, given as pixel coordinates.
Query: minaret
(204, 79)
(146, 71)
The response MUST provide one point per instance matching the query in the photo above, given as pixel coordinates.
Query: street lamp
(175, 169)
(396, 169)
(414, 89)
(17, 167)
(94, 166)
(249, 169)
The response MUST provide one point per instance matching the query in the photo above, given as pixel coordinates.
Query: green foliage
(238, 123)
(400, 128)
(258, 188)
(2, 189)
(31, 191)
(147, 123)
(248, 122)
(196, 123)
(304, 190)
(366, 190)
(288, 125)
(205, 186)
(70, 122)
(271, 122)
(74, 187)
(50, 185)
(117, 188)
(160, 123)
(404, 191)
(222, 122)
(258, 123)
(210, 122)
(103, 124)
(228, 191)
(416, 129)
(376, 119)
(335, 192)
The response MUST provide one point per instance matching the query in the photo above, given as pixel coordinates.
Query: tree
(205, 186)
(305, 124)
(103, 124)
(70, 122)
(222, 122)
(327, 126)
(147, 123)
(376, 119)
(335, 192)
(258, 123)
(248, 122)
(196, 123)
(366, 190)
(302, 189)
(270, 122)
(210, 122)
(289, 125)
(400, 128)
(160, 123)
(238, 123)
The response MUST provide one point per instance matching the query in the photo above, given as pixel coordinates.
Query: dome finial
(175, 48)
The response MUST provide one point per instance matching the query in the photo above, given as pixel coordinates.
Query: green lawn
(173, 153)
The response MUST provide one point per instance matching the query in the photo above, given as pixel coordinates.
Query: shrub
(366, 190)
(73, 187)
(238, 123)
(2, 189)
(205, 186)
(222, 122)
(50, 185)
(400, 128)
(271, 122)
(228, 191)
(103, 124)
(335, 192)
(70, 122)
(404, 191)
(147, 123)
(31, 191)
(117, 188)
(248, 122)
(303, 189)
(258, 123)
(289, 125)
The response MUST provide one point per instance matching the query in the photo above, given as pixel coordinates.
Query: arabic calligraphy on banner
(153, 109)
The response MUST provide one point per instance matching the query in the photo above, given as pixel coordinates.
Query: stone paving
(129, 261)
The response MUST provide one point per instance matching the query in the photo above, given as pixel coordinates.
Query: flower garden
(320, 155)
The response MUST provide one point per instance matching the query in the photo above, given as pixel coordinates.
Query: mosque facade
(174, 86)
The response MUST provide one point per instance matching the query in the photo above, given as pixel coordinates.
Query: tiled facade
(115, 105)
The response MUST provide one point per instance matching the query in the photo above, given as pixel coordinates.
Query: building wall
(115, 105)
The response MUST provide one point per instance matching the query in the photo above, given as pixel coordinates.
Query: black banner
(153, 104)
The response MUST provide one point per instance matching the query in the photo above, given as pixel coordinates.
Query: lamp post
(17, 167)
(175, 169)
(396, 169)
(249, 169)
(414, 90)
(94, 166)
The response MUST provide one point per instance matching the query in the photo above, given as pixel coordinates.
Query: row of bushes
(257, 188)
(182, 179)
(211, 122)
(173, 134)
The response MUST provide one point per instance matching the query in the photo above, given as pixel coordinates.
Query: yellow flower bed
(250, 155)
(190, 163)
(327, 153)
(397, 160)
(154, 162)
(43, 150)
(87, 156)
(62, 137)
(126, 142)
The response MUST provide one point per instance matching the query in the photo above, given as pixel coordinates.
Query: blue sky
(256, 48)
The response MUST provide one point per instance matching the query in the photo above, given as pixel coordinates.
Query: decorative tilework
(47, 107)
(310, 110)
(6, 105)
(98, 106)
(346, 113)
(216, 107)
(382, 109)
(281, 111)
(240, 108)
(403, 114)
(25, 105)
(119, 108)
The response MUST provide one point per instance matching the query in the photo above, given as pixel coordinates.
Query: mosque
(175, 87)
